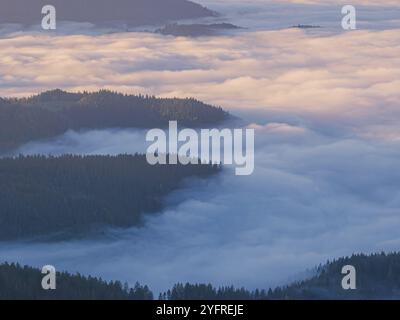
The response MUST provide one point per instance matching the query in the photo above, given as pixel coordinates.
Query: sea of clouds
(325, 107)
(311, 198)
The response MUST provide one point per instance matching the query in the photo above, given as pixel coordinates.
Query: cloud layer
(311, 198)
(347, 77)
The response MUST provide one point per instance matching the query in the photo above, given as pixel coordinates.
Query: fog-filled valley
(311, 198)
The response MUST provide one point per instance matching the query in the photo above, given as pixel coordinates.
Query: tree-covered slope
(377, 277)
(73, 195)
(53, 112)
(24, 283)
(131, 12)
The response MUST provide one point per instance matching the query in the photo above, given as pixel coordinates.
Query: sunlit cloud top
(349, 76)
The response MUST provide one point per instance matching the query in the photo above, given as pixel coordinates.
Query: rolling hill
(132, 12)
(71, 196)
(54, 112)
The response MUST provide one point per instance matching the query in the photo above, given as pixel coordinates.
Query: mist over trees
(70, 196)
(378, 277)
(53, 112)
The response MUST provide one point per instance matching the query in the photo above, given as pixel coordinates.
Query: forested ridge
(24, 283)
(129, 12)
(378, 277)
(196, 30)
(74, 195)
(53, 112)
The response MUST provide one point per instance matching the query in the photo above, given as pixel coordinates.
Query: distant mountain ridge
(54, 112)
(196, 30)
(132, 12)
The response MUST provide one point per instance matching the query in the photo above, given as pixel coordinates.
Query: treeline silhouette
(24, 283)
(74, 195)
(53, 112)
(378, 277)
(195, 30)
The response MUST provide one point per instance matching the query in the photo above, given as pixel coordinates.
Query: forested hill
(53, 112)
(70, 196)
(130, 12)
(377, 275)
(24, 283)
(377, 278)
